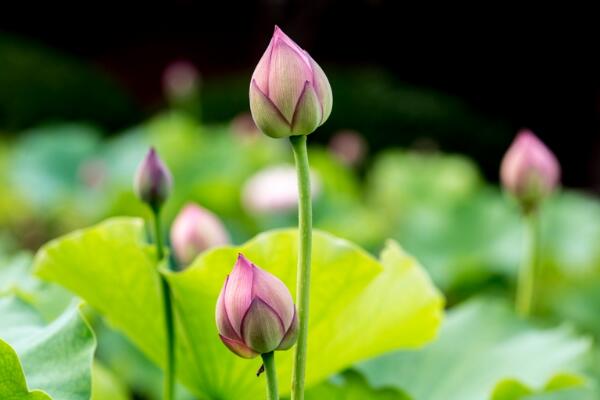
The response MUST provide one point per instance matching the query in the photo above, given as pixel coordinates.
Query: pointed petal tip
(238, 347)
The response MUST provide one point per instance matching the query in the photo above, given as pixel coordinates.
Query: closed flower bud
(275, 190)
(194, 230)
(255, 312)
(289, 93)
(529, 170)
(153, 181)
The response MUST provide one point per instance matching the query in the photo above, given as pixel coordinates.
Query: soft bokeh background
(424, 107)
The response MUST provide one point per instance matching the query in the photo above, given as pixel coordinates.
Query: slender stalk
(527, 273)
(304, 254)
(271, 372)
(169, 373)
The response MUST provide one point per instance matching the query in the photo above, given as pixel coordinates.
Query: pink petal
(280, 35)
(238, 295)
(323, 89)
(261, 72)
(287, 74)
(223, 323)
(274, 292)
(238, 347)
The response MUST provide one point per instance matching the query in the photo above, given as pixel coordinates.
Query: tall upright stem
(169, 373)
(269, 363)
(527, 273)
(304, 254)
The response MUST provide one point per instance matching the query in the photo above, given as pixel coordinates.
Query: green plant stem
(271, 372)
(304, 254)
(169, 373)
(527, 273)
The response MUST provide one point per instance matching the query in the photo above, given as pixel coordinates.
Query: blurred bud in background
(529, 170)
(152, 182)
(93, 173)
(243, 127)
(274, 190)
(349, 147)
(181, 84)
(255, 312)
(289, 93)
(195, 230)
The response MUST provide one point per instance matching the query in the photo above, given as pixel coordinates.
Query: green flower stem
(169, 373)
(304, 254)
(269, 363)
(527, 273)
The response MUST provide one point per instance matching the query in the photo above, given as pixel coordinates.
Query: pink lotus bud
(255, 312)
(275, 189)
(194, 230)
(181, 80)
(153, 181)
(349, 147)
(529, 170)
(289, 92)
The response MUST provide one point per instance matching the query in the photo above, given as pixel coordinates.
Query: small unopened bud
(529, 170)
(195, 230)
(153, 181)
(255, 312)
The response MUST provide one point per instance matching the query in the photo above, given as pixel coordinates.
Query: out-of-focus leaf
(47, 163)
(512, 389)
(56, 358)
(351, 292)
(12, 380)
(481, 343)
(400, 180)
(351, 386)
(15, 278)
(106, 385)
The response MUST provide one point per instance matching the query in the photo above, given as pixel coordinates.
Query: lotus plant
(256, 315)
(290, 96)
(194, 230)
(530, 172)
(152, 184)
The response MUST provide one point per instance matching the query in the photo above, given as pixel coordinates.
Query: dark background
(510, 68)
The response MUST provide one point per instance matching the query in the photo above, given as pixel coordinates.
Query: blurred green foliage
(57, 177)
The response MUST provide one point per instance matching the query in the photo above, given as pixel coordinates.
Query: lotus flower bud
(349, 147)
(153, 181)
(194, 230)
(275, 189)
(289, 93)
(181, 80)
(255, 312)
(529, 170)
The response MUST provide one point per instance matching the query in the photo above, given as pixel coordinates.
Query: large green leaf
(55, 358)
(361, 307)
(557, 387)
(15, 278)
(352, 386)
(12, 380)
(481, 343)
